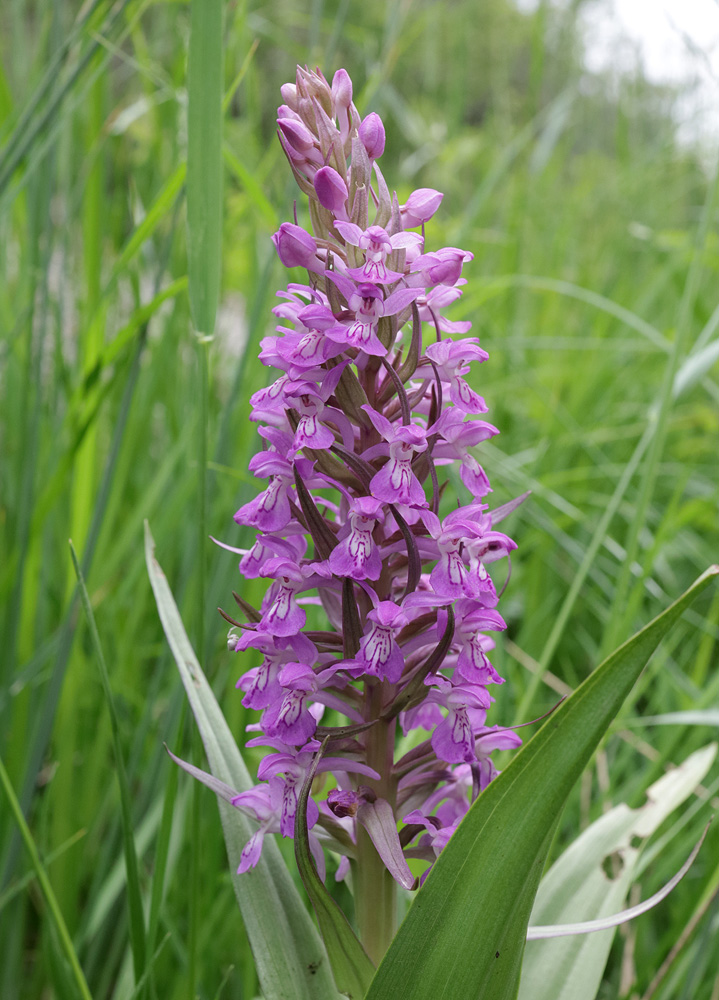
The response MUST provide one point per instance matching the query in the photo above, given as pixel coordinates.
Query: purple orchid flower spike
(381, 609)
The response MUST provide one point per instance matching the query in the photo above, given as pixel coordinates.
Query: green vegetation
(594, 290)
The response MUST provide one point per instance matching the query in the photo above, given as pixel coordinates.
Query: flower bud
(371, 132)
(443, 267)
(316, 317)
(331, 190)
(289, 95)
(445, 272)
(420, 207)
(297, 134)
(341, 89)
(343, 803)
(295, 247)
(312, 85)
(285, 111)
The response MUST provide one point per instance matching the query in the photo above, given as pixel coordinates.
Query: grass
(596, 258)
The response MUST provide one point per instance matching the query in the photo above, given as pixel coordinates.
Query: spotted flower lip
(376, 245)
(380, 610)
(366, 306)
(357, 555)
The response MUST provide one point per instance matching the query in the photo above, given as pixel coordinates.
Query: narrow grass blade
(291, 960)
(162, 849)
(37, 122)
(134, 896)
(465, 933)
(204, 161)
(22, 883)
(627, 586)
(158, 210)
(590, 881)
(56, 916)
(570, 290)
(692, 717)
(695, 368)
(615, 919)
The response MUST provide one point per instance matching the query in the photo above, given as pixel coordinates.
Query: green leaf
(204, 161)
(158, 210)
(464, 935)
(290, 957)
(55, 919)
(591, 880)
(134, 895)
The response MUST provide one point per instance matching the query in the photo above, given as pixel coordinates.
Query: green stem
(196, 809)
(375, 889)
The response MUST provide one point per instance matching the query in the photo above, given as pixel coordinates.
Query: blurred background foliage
(596, 252)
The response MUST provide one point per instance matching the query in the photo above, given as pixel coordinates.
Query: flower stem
(376, 890)
(375, 899)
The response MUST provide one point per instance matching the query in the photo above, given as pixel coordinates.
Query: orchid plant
(358, 429)
(374, 691)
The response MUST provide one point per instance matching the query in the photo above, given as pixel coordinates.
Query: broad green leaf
(204, 161)
(464, 935)
(290, 957)
(590, 881)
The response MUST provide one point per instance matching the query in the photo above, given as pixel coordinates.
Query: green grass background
(594, 280)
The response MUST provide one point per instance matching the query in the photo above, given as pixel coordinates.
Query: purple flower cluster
(371, 401)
